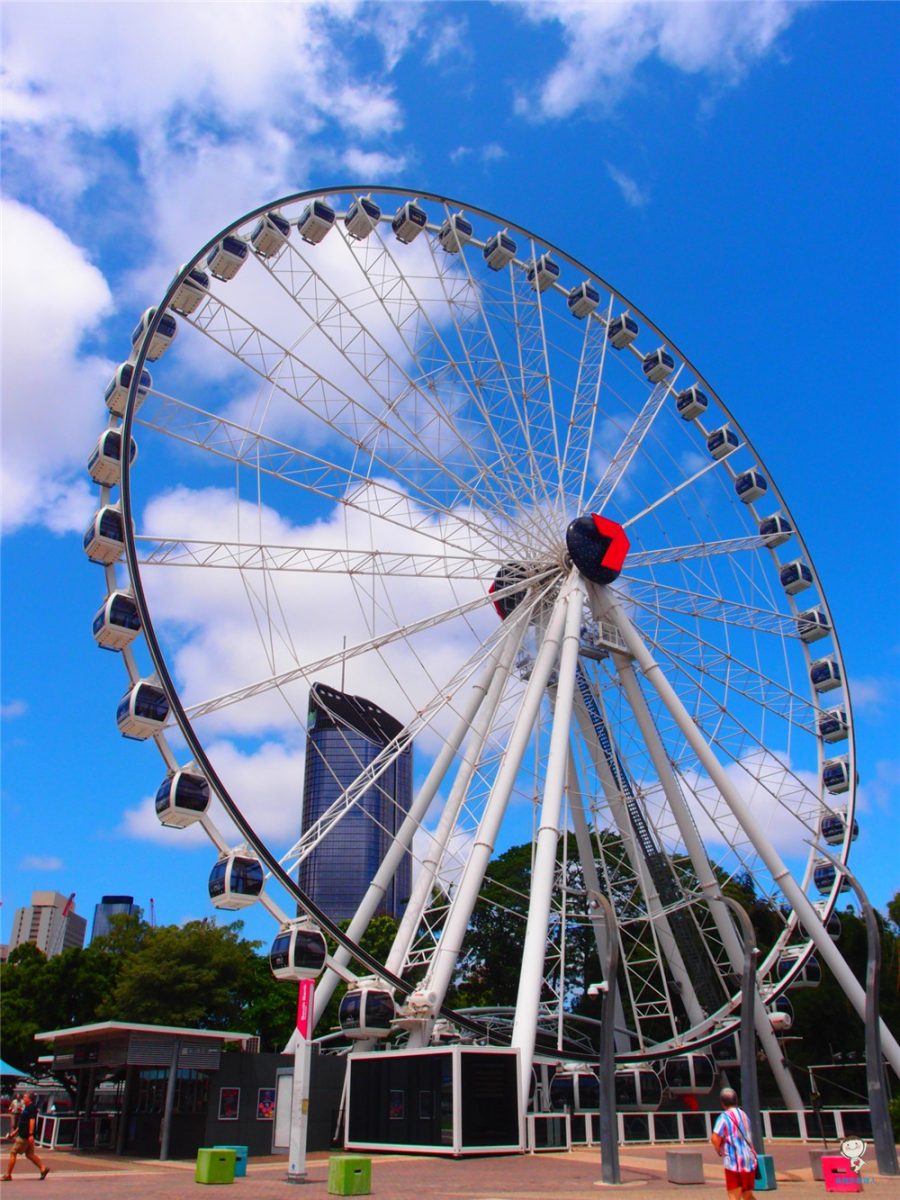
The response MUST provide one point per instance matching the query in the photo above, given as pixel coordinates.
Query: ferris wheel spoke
(685, 483)
(661, 599)
(673, 554)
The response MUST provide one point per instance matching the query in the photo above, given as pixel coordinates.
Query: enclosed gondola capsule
(689, 1074)
(776, 530)
(499, 250)
(832, 725)
(104, 538)
(825, 674)
(621, 331)
(832, 921)
(781, 1015)
(542, 273)
(316, 220)
(227, 257)
(409, 221)
(658, 365)
(795, 577)
(142, 711)
(721, 442)
(162, 338)
(116, 622)
(750, 486)
(813, 625)
(825, 875)
(576, 1088)
(455, 233)
(691, 403)
(366, 1010)
(834, 829)
(362, 217)
(105, 462)
(118, 387)
(236, 881)
(836, 775)
(182, 798)
(298, 951)
(270, 233)
(190, 292)
(726, 1051)
(809, 975)
(583, 299)
(638, 1089)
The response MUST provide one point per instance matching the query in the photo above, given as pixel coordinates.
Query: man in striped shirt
(733, 1141)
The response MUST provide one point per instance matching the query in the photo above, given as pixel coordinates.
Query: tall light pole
(749, 1079)
(609, 1137)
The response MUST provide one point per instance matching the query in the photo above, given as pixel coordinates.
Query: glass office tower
(344, 735)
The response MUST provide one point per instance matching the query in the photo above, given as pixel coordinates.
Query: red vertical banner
(305, 994)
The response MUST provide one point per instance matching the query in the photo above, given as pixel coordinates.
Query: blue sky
(731, 168)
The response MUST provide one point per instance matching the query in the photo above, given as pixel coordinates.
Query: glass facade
(111, 906)
(345, 735)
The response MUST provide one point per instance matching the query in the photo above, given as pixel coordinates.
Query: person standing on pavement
(733, 1142)
(24, 1143)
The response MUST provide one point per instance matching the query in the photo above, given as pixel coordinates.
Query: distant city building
(344, 735)
(50, 921)
(111, 906)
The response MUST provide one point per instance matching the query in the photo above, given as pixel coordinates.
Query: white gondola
(776, 530)
(236, 881)
(836, 775)
(832, 923)
(162, 338)
(721, 442)
(825, 674)
(227, 257)
(809, 975)
(270, 233)
(316, 220)
(658, 365)
(750, 486)
(105, 462)
(813, 625)
(795, 577)
(689, 1074)
(104, 538)
(833, 829)
(366, 1010)
(691, 403)
(190, 293)
(583, 299)
(362, 217)
(832, 725)
(825, 875)
(576, 1088)
(781, 1015)
(142, 711)
(116, 622)
(118, 387)
(638, 1089)
(409, 221)
(182, 798)
(621, 331)
(542, 273)
(726, 1051)
(499, 250)
(298, 951)
(455, 233)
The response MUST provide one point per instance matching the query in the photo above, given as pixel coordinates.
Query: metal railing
(828, 1124)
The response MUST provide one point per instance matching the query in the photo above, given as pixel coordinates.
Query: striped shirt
(734, 1129)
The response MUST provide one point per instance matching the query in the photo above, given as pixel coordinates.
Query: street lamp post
(749, 1079)
(609, 1138)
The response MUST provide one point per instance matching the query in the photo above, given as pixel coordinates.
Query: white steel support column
(709, 885)
(450, 945)
(782, 877)
(411, 822)
(531, 976)
(425, 880)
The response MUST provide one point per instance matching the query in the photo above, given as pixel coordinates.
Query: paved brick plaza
(574, 1176)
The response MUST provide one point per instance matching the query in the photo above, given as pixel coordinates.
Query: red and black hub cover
(597, 547)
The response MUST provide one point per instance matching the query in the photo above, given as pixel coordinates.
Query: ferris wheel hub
(597, 546)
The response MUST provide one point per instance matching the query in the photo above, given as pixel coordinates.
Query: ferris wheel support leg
(400, 846)
(791, 890)
(543, 869)
(444, 962)
(709, 885)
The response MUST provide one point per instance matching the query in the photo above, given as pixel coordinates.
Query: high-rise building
(344, 735)
(50, 922)
(110, 906)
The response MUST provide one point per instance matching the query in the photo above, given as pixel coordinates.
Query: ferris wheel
(397, 445)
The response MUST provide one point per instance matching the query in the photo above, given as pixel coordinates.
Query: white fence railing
(834, 1124)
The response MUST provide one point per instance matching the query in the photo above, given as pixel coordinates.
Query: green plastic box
(349, 1175)
(240, 1158)
(215, 1165)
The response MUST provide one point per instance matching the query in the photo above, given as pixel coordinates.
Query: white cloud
(606, 43)
(368, 165)
(632, 192)
(41, 862)
(872, 694)
(13, 709)
(53, 298)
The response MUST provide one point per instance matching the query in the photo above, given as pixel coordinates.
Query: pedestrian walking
(24, 1143)
(733, 1141)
